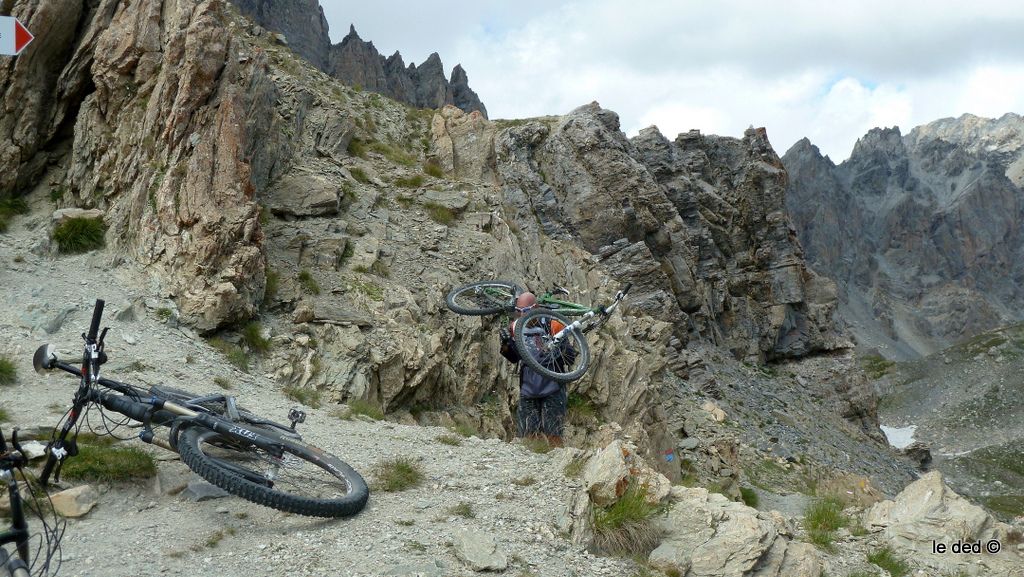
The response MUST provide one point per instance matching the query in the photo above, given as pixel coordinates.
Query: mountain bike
(246, 455)
(12, 463)
(564, 355)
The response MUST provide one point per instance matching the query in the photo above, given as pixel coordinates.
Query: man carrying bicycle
(542, 401)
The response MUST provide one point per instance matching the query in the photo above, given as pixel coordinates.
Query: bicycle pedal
(296, 416)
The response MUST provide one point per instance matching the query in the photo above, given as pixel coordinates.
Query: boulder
(75, 502)
(479, 550)
(709, 536)
(612, 469)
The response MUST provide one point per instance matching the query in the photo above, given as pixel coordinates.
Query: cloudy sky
(826, 70)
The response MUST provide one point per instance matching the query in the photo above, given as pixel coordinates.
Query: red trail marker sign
(14, 37)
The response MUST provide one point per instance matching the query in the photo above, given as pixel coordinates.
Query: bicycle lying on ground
(564, 355)
(12, 463)
(244, 454)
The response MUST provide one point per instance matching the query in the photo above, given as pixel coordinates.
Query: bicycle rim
(565, 360)
(304, 480)
(483, 298)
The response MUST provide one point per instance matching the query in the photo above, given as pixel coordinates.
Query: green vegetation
(888, 561)
(252, 336)
(465, 429)
(397, 474)
(1006, 507)
(451, 440)
(10, 207)
(368, 408)
(359, 174)
(876, 366)
(4, 416)
(524, 481)
(433, 168)
(627, 527)
(78, 235)
(234, 353)
(223, 383)
(357, 147)
(822, 519)
(164, 314)
(579, 409)
(308, 396)
(393, 154)
(749, 496)
(575, 467)
(8, 372)
(537, 445)
(410, 182)
(372, 290)
(439, 213)
(463, 509)
(273, 284)
(98, 460)
(308, 283)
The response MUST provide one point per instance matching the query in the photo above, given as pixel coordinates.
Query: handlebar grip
(626, 288)
(97, 315)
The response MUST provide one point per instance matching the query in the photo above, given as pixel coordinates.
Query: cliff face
(142, 109)
(357, 62)
(697, 224)
(921, 232)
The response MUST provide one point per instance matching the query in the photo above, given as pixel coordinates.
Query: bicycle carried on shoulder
(251, 457)
(563, 354)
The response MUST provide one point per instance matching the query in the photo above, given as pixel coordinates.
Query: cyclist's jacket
(533, 385)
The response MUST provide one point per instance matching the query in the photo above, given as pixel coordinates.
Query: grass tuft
(308, 396)
(450, 440)
(574, 469)
(432, 168)
(627, 527)
(537, 444)
(409, 182)
(889, 562)
(78, 235)
(397, 474)
(368, 408)
(750, 497)
(821, 520)
(234, 353)
(439, 213)
(8, 372)
(102, 463)
(463, 509)
(252, 335)
(359, 174)
(223, 383)
(10, 207)
(308, 283)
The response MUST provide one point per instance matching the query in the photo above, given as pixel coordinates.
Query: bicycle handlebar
(97, 315)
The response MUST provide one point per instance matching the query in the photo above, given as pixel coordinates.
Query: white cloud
(828, 71)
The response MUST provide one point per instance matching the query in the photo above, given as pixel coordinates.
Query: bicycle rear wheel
(564, 361)
(304, 480)
(483, 298)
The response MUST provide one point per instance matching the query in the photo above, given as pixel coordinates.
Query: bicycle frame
(582, 323)
(130, 403)
(18, 533)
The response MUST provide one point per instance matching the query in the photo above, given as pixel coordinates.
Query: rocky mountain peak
(920, 231)
(886, 142)
(357, 62)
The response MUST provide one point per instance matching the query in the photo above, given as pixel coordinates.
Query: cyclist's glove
(506, 337)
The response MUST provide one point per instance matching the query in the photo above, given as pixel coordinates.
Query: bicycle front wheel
(483, 298)
(563, 361)
(11, 566)
(304, 480)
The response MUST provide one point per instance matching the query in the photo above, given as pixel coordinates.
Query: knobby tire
(483, 298)
(349, 492)
(543, 347)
